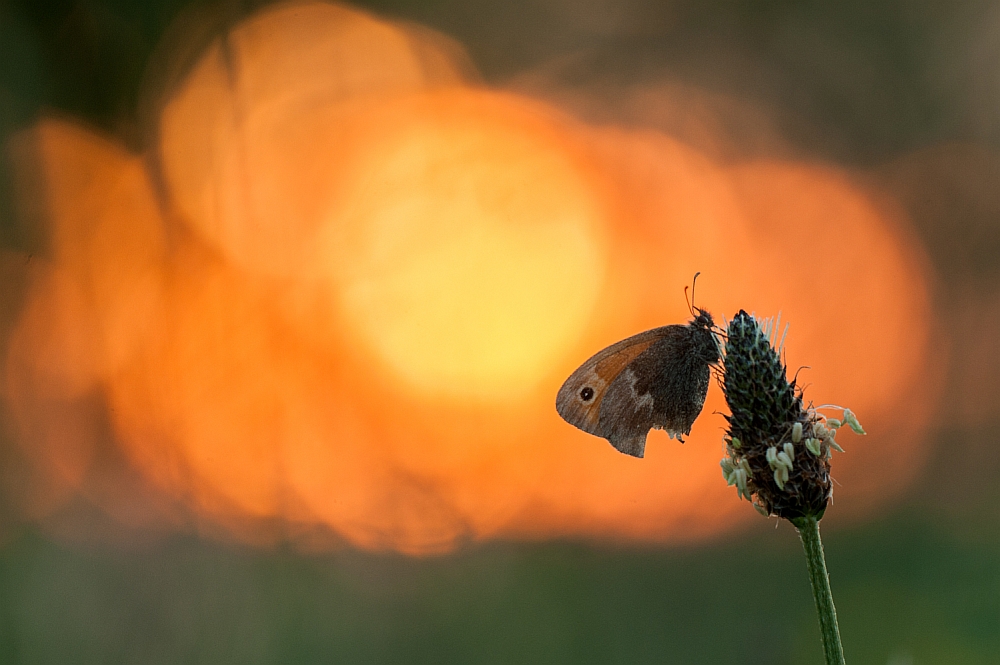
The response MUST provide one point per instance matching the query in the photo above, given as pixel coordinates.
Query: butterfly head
(702, 319)
(703, 331)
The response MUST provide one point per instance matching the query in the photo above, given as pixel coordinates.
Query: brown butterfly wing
(582, 409)
(664, 387)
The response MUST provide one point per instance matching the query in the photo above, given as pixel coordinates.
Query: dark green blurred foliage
(863, 83)
(904, 590)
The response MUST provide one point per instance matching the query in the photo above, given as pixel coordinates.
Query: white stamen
(789, 450)
(852, 421)
(784, 460)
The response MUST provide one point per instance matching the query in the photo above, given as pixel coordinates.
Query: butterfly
(656, 379)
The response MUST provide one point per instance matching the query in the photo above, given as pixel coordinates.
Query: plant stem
(809, 533)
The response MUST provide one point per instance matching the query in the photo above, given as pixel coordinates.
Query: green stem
(809, 533)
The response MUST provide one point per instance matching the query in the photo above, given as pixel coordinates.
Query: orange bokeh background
(343, 286)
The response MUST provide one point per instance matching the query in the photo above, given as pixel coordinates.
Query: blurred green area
(919, 585)
(906, 593)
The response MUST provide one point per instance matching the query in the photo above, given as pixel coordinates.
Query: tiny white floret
(796, 432)
(852, 420)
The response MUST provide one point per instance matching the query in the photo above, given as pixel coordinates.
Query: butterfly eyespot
(587, 394)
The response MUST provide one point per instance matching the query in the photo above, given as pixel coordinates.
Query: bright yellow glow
(469, 256)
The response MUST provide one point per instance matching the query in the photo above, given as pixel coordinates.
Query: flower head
(778, 451)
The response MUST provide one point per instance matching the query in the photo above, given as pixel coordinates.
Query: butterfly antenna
(690, 303)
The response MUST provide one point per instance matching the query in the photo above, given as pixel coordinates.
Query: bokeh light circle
(468, 250)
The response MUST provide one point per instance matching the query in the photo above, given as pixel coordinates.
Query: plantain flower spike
(782, 447)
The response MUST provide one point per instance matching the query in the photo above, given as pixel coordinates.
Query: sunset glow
(367, 275)
(470, 252)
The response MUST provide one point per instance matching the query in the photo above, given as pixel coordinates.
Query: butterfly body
(656, 379)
